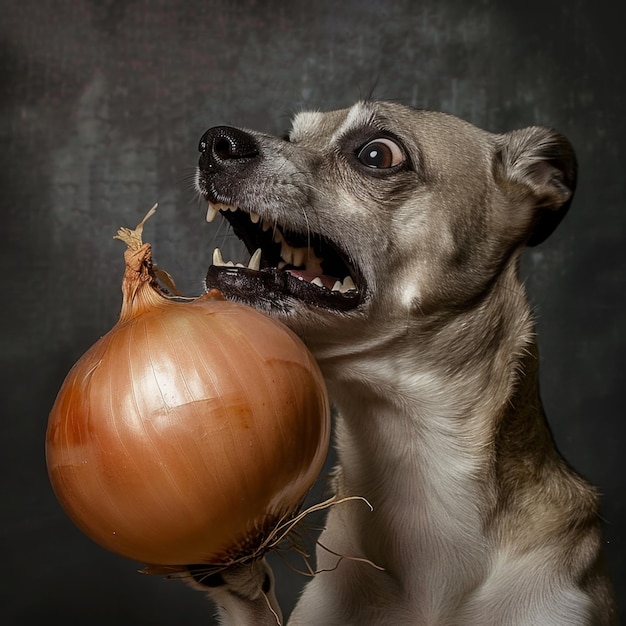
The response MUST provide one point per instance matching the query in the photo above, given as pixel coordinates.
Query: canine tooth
(254, 217)
(348, 284)
(211, 212)
(255, 260)
(278, 236)
(265, 225)
(337, 286)
(217, 257)
(318, 281)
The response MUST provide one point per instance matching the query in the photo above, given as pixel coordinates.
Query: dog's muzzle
(286, 263)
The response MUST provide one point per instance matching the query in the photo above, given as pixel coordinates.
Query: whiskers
(188, 180)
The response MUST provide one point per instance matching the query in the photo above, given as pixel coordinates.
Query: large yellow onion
(187, 432)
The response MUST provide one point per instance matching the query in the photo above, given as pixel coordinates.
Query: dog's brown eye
(381, 153)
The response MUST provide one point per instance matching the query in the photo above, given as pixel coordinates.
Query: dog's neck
(459, 365)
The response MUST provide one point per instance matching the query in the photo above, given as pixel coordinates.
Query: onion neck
(140, 288)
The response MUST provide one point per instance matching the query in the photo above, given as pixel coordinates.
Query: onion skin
(188, 431)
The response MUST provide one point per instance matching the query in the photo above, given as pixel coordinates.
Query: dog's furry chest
(413, 464)
(428, 528)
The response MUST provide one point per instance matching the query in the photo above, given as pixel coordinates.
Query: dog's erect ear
(539, 161)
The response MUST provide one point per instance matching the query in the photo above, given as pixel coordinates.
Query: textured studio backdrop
(102, 105)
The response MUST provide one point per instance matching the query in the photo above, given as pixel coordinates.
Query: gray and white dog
(389, 240)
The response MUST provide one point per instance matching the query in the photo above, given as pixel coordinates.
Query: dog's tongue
(327, 281)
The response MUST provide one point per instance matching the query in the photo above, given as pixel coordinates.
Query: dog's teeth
(286, 252)
(278, 236)
(317, 281)
(211, 212)
(254, 217)
(217, 257)
(281, 265)
(348, 284)
(294, 256)
(215, 207)
(265, 225)
(255, 260)
(298, 256)
(219, 260)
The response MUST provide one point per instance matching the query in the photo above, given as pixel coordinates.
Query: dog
(389, 239)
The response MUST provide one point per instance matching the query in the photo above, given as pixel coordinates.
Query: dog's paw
(244, 594)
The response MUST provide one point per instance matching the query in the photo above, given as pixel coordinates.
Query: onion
(190, 430)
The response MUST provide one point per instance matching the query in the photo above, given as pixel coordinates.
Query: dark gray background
(102, 105)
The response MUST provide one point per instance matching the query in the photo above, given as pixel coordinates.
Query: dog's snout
(223, 146)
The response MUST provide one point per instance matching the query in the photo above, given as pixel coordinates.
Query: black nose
(225, 146)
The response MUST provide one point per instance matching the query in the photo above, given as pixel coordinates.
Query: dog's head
(379, 211)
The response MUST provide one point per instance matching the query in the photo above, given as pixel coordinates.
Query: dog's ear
(541, 162)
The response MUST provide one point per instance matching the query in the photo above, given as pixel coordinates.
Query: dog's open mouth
(283, 264)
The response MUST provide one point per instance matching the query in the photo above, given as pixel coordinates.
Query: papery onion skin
(188, 431)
